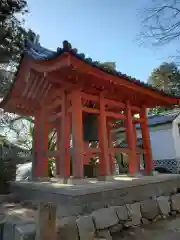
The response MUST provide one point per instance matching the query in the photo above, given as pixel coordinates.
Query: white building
(165, 140)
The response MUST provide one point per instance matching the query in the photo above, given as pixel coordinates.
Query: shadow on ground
(162, 230)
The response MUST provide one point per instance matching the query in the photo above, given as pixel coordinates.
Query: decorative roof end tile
(66, 46)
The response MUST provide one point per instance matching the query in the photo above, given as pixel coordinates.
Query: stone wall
(99, 224)
(78, 200)
(104, 222)
(98, 210)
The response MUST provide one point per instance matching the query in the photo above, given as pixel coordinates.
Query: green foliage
(9, 7)
(12, 37)
(160, 23)
(12, 34)
(167, 78)
(5, 81)
(123, 168)
(109, 65)
(7, 173)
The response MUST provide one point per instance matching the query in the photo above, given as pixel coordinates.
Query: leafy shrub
(7, 174)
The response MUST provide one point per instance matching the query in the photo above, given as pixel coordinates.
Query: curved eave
(8, 102)
(44, 57)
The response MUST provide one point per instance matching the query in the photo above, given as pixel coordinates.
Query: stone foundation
(101, 223)
(99, 211)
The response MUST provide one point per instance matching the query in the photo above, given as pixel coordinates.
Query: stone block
(175, 202)
(105, 218)
(145, 221)
(164, 205)
(157, 218)
(67, 211)
(86, 228)
(134, 214)
(104, 234)
(67, 229)
(46, 222)
(10, 224)
(116, 228)
(99, 238)
(25, 232)
(173, 213)
(149, 209)
(122, 213)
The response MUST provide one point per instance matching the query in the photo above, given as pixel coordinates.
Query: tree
(9, 7)
(161, 23)
(109, 65)
(12, 34)
(167, 78)
(6, 78)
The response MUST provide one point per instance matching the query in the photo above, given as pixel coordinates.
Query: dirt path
(162, 230)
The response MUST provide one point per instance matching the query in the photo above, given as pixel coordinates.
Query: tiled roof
(38, 52)
(154, 120)
(162, 118)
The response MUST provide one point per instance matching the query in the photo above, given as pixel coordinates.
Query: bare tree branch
(161, 23)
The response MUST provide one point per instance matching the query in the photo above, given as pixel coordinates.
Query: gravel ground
(162, 230)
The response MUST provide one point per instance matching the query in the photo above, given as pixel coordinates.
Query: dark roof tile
(38, 52)
(163, 118)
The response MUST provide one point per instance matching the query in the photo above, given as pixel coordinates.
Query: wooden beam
(114, 103)
(57, 102)
(115, 115)
(120, 81)
(53, 117)
(61, 62)
(90, 110)
(92, 150)
(88, 96)
(54, 77)
(120, 105)
(38, 87)
(119, 150)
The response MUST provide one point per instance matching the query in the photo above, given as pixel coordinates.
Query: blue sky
(105, 30)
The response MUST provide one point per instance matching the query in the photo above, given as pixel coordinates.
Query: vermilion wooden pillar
(63, 140)
(103, 140)
(41, 145)
(67, 134)
(58, 157)
(137, 153)
(130, 138)
(77, 135)
(146, 141)
(111, 155)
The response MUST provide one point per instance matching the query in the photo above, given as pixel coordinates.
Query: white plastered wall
(176, 136)
(162, 141)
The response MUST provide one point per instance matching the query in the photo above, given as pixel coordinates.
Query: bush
(7, 174)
